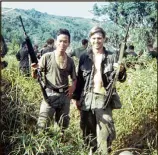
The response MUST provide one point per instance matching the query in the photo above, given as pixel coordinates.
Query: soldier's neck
(98, 51)
(60, 53)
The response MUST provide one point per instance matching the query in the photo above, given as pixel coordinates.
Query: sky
(73, 9)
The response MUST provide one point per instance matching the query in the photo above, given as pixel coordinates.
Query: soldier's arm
(72, 85)
(40, 65)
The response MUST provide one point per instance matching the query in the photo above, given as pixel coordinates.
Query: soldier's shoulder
(47, 55)
(69, 58)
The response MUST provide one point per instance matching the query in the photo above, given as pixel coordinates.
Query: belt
(61, 90)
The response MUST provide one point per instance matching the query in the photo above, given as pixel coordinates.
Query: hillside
(41, 26)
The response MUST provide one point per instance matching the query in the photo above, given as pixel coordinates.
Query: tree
(143, 16)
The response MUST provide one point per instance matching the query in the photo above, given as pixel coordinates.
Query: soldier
(131, 51)
(94, 75)
(23, 57)
(79, 51)
(152, 50)
(38, 55)
(4, 51)
(49, 47)
(57, 67)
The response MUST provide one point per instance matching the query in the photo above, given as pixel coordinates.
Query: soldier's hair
(65, 32)
(131, 47)
(50, 41)
(84, 41)
(97, 29)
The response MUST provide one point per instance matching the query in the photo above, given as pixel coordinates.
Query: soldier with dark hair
(131, 51)
(79, 51)
(49, 47)
(4, 51)
(57, 68)
(23, 57)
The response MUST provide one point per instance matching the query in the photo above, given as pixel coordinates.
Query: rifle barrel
(22, 25)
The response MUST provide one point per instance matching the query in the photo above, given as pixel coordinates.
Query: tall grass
(135, 122)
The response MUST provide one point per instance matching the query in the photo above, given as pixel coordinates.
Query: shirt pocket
(108, 68)
(85, 71)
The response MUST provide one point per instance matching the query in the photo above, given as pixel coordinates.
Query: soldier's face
(97, 40)
(62, 42)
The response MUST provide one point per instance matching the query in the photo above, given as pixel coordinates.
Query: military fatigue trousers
(56, 110)
(98, 127)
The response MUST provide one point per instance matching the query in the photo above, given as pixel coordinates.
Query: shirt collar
(90, 53)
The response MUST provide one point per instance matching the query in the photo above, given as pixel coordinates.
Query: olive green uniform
(56, 83)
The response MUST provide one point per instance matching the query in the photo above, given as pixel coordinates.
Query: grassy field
(136, 122)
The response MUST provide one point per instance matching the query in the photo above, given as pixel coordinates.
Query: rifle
(35, 61)
(112, 84)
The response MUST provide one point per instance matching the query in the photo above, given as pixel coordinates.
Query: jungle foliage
(41, 26)
(117, 15)
(136, 122)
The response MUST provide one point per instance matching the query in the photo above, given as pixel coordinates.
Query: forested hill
(41, 26)
(115, 19)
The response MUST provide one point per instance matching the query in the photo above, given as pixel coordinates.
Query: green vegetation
(115, 18)
(135, 122)
(41, 26)
(21, 100)
(116, 15)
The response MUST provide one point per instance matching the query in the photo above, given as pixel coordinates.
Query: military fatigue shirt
(77, 52)
(24, 58)
(84, 84)
(55, 77)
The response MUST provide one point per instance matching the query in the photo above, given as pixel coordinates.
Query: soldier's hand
(122, 67)
(116, 65)
(69, 91)
(34, 67)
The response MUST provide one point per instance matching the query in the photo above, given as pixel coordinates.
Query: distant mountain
(41, 26)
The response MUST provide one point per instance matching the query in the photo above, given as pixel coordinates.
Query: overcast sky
(74, 9)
